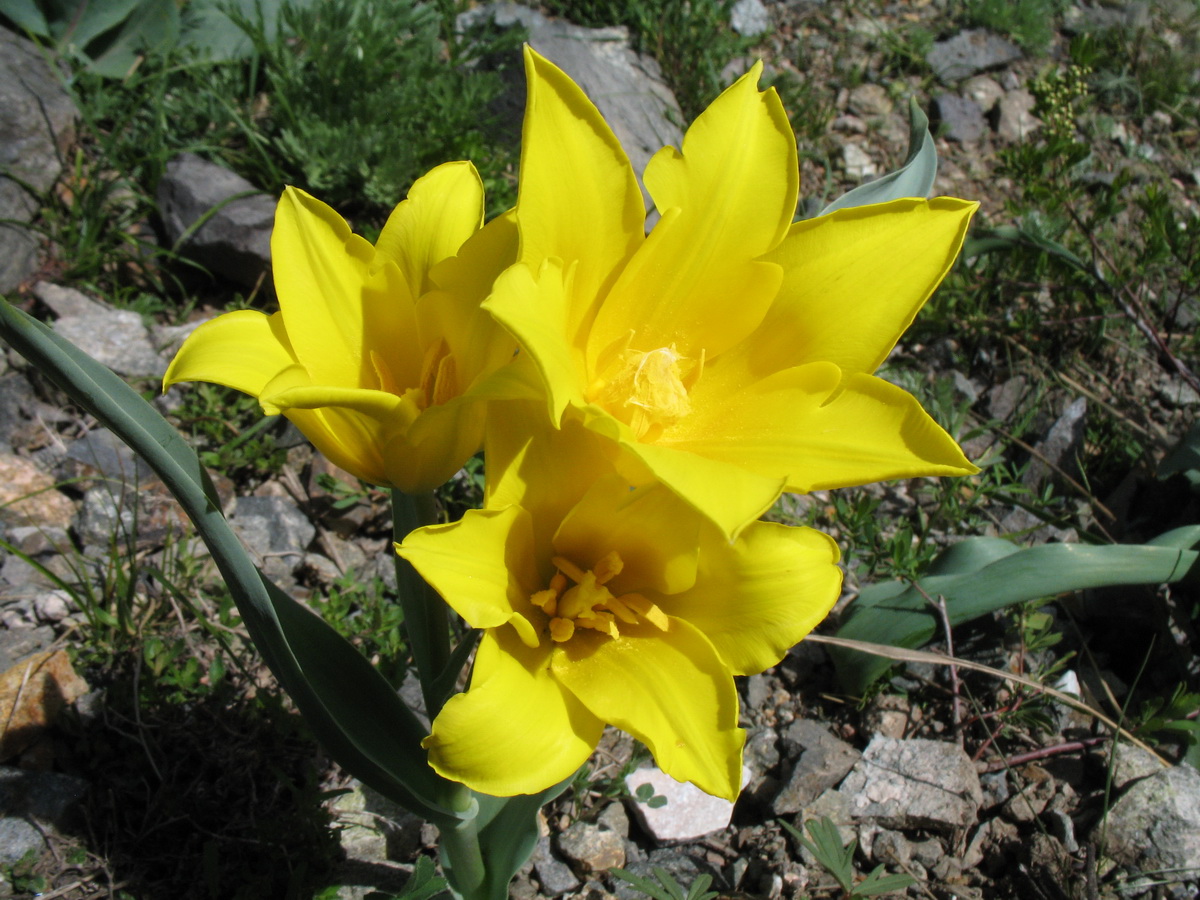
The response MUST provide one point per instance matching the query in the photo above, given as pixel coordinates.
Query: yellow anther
(561, 630)
(546, 601)
(608, 568)
(568, 568)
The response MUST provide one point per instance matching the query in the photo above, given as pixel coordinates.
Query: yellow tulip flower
(379, 354)
(729, 352)
(606, 604)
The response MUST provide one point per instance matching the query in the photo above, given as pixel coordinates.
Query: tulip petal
(724, 490)
(320, 270)
(243, 350)
(350, 441)
(483, 564)
(787, 424)
(655, 534)
(578, 198)
(516, 730)
(759, 596)
(855, 280)
(670, 690)
(696, 283)
(535, 311)
(444, 208)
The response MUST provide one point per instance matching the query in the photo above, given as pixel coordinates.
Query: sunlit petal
(760, 595)
(516, 730)
(243, 350)
(671, 691)
(726, 200)
(578, 198)
(444, 208)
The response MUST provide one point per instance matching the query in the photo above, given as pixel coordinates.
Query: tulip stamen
(648, 390)
(577, 598)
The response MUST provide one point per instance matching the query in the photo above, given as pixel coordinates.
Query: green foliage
(362, 101)
(664, 886)
(1175, 718)
(645, 794)
(1031, 23)
(691, 41)
(826, 846)
(366, 615)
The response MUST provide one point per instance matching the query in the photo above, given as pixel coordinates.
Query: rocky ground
(161, 775)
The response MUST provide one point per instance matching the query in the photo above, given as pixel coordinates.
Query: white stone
(689, 813)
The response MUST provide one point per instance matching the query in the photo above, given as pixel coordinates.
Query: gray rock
(591, 848)
(822, 760)
(555, 875)
(1061, 446)
(54, 606)
(870, 101)
(36, 125)
(1017, 121)
(1131, 764)
(962, 119)
(235, 241)
(106, 514)
(1156, 823)
(36, 541)
(18, 837)
(16, 401)
(17, 644)
(985, 91)
(857, 163)
(627, 87)
(749, 18)
(101, 452)
(50, 797)
(275, 532)
(908, 784)
(968, 53)
(115, 337)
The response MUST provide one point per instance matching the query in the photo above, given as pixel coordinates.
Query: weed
(1031, 23)
(364, 613)
(838, 860)
(664, 886)
(230, 431)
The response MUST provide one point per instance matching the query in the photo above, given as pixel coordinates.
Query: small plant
(665, 887)
(838, 859)
(1177, 718)
(1031, 23)
(645, 794)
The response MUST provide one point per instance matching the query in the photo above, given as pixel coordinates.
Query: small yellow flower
(729, 352)
(603, 604)
(379, 354)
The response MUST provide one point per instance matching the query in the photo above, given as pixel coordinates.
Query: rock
(1060, 448)
(1132, 764)
(822, 760)
(858, 163)
(681, 866)
(16, 403)
(591, 848)
(32, 694)
(627, 87)
(870, 101)
(235, 241)
(54, 606)
(1176, 393)
(749, 18)
(985, 91)
(1031, 800)
(969, 52)
(102, 453)
(106, 515)
(907, 784)
(1016, 120)
(555, 875)
(18, 837)
(1156, 823)
(36, 126)
(115, 337)
(689, 813)
(28, 496)
(961, 118)
(50, 797)
(274, 531)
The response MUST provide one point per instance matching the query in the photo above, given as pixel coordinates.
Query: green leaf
(878, 883)
(152, 27)
(349, 706)
(913, 179)
(26, 16)
(980, 575)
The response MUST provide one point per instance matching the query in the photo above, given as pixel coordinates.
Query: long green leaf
(350, 707)
(913, 179)
(979, 575)
(25, 15)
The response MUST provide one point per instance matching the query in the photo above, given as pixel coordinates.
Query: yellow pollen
(648, 390)
(578, 599)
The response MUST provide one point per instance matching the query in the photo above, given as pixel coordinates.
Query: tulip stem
(462, 860)
(425, 614)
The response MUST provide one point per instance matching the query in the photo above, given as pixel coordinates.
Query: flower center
(439, 378)
(589, 604)
(648, 390)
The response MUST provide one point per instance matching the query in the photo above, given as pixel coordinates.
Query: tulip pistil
(577, 598)
(648, 390)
